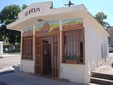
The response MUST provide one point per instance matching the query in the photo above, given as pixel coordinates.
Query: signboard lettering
(32, 10)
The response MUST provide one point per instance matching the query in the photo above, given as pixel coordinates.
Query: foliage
(71, 58)
(100, 17)
(8, 15)
(24, 6)
(1, 37)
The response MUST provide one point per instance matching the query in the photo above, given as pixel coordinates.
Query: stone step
(101, 81)
(101, 75)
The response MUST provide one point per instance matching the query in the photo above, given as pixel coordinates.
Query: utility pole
(69, 3)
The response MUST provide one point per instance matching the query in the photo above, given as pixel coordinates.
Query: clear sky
(93, 6)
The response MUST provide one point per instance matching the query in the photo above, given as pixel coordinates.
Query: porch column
(60, 47)
(60, 40)
(21, 67)
(34, 46)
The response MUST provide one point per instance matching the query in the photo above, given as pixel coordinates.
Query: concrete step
(101, 81)
(101, 75)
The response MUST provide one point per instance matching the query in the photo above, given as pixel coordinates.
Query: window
(27, 47)
(73, 45)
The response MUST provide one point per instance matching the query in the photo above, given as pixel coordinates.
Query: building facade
(65, 43)
(110, 31)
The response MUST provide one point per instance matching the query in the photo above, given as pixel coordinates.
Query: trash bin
(1, 47)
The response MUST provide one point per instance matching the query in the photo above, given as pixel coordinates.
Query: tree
(100, 17)
(9, 15)
(24, 6)
(1, 18)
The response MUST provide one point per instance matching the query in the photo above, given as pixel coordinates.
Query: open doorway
(46, 61)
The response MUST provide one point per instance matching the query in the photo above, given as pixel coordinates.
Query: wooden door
(39, 56)
(42, 64)
(46, 58)
(55, 58)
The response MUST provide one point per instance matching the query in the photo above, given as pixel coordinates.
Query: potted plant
(71, 59)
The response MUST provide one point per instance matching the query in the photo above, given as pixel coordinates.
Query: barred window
(73, 45)
(27, 47)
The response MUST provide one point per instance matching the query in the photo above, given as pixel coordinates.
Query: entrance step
(101, 79)
(101, 75)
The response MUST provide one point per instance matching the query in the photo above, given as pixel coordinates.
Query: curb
(7, 70)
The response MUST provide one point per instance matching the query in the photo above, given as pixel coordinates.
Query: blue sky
(93, 6)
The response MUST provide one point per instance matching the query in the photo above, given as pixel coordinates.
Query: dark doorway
(47, 69)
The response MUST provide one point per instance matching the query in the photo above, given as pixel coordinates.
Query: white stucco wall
(94, 39)
(27, 66)
(95, 36)
(72, 72)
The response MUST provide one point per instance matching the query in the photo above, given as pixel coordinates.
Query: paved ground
(7, 60)
(106, 67)
(18, 78)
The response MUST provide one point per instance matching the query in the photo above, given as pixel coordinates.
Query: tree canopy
(8, 15)
(100, 17)
(24, 6)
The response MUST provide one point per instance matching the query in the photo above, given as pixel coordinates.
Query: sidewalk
(10, 74)
(19, 78)
(106, 68)
(7, 60)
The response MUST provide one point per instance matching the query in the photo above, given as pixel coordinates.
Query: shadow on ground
(20, 78)
(2, 83)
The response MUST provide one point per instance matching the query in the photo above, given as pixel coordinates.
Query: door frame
(39, 35)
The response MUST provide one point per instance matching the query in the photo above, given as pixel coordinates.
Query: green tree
(9, 15)
(24, 6)
(100, 17)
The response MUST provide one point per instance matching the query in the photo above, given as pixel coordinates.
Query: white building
(51, 36)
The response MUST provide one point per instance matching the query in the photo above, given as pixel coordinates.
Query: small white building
(53, 39)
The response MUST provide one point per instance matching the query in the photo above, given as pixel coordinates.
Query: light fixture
(40, 20)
